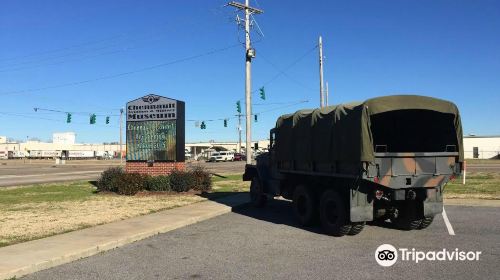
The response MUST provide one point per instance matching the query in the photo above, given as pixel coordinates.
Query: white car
(187, 154)
(221, 156)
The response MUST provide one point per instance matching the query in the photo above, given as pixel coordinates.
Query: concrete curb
(472, 202)
(29, 257)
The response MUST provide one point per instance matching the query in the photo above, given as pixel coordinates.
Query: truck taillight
(379, 194)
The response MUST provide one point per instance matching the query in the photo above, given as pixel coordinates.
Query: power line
(59, 49)
(290, 104)
(283, 72)
(286, 74)
(76, 113)
(49, 119)
(160, 31)
(123, 73)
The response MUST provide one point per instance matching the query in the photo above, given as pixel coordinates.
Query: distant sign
(155, 129)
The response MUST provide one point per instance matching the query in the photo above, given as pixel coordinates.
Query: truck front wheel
(304, 204)
(257, 196)
(333, 214)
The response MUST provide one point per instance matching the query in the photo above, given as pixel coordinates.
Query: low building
(482, 147)
(61, 142)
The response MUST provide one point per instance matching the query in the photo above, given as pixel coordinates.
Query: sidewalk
(24, 258)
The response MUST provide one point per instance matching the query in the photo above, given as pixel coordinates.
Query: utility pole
(249, 54)
(321, 92)
(239, 132)
(326, 95)
(121, 121)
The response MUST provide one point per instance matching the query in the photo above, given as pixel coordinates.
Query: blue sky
(445, 49)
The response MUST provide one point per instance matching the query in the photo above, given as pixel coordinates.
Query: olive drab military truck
(388, 158)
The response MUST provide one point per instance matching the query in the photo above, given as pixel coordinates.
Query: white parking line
(447, 223)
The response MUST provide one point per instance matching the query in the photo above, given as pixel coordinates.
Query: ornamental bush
(109, 179)
(203, 182)
(181, 181)
(131, 183)
(159, 183)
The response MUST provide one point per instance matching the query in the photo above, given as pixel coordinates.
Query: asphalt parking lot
(267, 243)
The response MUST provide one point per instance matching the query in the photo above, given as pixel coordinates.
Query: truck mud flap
(361, 208)
(432, 208)
(433, 204)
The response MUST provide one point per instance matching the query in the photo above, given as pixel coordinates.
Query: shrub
(203, 182)
(181, 181)
(109, 179)
(131, 183)
(159, 183)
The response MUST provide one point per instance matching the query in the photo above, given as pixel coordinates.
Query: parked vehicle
(4, 155)
(16, 154)
(47, 154)
(239, 157)
(221, 156)
(387, 158)
(187, 154)
(80, 154)
(103, 155)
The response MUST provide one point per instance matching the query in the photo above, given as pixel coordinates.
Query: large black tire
(333, 214)
(257, 196)
(305, 205)
(356, 228)
(426, 221)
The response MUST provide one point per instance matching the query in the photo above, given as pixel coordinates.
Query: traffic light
(107, 120)
(203, 126)
(225, 123)
(92, 119)
(262, 93)
(238, 106)
(68, 117)
(255, 117)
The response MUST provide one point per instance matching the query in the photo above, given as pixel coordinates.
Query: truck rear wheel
(304, 205)
(333, 214)
(405, 223)
(426, 221)
(356, 228)
(257, 196)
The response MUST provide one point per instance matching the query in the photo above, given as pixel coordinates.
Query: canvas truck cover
(344, 132)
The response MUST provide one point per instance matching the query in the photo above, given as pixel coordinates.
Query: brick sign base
(158, 168)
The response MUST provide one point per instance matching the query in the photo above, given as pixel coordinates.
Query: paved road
(267, 244)
(18, 173)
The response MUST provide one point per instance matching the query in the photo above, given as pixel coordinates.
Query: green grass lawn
(73, 191)
(230, 183)
(485, 185)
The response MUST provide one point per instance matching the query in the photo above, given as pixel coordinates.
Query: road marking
(49, 174)
(447, 223)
